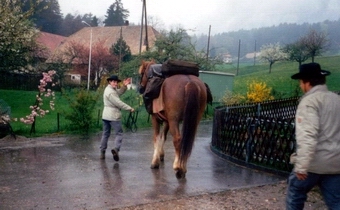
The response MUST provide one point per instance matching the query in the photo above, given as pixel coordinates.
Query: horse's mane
(145, 65)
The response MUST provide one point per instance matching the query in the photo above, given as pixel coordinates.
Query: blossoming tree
(44, 92)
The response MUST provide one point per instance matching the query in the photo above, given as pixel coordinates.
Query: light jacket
(318, 132)
(112, 103)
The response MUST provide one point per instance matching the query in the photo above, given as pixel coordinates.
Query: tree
(315, 43)
(44, 91)
(60, 69)
(95, 21)
(73, 23)
(17, 36)
(103, 62)
(297, 51)
(77, 55)
(116, 14)
(177, 44)
(121, 50)
(46, 14)
(272, 53)
(174, 44)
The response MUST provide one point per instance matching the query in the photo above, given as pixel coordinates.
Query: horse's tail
(190, 121)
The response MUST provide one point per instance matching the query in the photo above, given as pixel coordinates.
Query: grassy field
(55, 122)
(279, 79)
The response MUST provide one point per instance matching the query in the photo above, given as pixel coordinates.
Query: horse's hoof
(180, 174)
(162, 158)
(154, 166)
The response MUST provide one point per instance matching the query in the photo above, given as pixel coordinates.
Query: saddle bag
(173, 67)
(152, 90)
(153, 87)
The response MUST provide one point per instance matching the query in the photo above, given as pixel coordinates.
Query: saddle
(153, 86)
(157, 74)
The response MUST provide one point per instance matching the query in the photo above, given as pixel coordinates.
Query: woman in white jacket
(317, 129)
(111, 116)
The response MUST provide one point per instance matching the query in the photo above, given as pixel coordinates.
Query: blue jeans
(329, 185)
(117, 127)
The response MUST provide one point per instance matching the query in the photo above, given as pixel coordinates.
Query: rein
(131, 122)
(149, 73)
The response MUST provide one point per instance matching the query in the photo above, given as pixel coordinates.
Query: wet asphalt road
(66, 173)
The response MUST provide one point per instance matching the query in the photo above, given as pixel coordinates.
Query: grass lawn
(20, 101)
(54, 122)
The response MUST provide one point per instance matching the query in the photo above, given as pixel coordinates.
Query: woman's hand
(127, 81)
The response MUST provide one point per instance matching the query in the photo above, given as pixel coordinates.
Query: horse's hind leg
(179, 168)
(158, 142)
(163, 136)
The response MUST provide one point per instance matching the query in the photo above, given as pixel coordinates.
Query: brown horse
(183, 99)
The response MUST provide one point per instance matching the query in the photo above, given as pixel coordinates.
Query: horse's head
(143, 69)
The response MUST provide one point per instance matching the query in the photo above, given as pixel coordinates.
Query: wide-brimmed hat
(113, 78)
(310, 71)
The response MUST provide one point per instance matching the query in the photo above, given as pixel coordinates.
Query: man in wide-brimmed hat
(317, 129)
(112, 115)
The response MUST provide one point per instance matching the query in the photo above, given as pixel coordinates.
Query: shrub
(258, 92)
(230, 98)
(81, 113)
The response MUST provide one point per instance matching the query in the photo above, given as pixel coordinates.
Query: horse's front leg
(158, 142)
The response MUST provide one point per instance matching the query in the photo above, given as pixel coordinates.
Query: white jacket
(318, 132)
(113, 104)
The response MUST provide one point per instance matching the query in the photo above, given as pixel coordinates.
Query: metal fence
(13, 81)
(258, 135)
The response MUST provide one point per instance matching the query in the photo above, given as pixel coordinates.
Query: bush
(230, 98)
(81, 113)
(258, 92)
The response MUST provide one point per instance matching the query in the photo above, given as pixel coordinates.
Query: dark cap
(113, 78)
(310, 71)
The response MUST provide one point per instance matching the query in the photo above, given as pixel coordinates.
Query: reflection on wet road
(70, 175)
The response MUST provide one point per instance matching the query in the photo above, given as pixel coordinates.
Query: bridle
(143, 80)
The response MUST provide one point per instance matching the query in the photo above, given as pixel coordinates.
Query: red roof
(51, 41)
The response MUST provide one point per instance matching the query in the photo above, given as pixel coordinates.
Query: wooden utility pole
(141, 30)
(146, 27)
(208, 47)
(120, 49)
(238, 57)
(146, 40)
(255, 54)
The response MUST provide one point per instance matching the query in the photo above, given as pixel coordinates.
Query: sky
(196, 16)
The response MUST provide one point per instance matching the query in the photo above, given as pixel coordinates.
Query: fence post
(258, 110)
(58, 122)
(249, 144)
(98, 117)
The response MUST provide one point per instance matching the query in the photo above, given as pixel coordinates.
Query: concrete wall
(218, 82)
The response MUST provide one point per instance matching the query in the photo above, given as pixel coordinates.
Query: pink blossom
(36, 109)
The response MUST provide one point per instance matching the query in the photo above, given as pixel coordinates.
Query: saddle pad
(157, 103)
